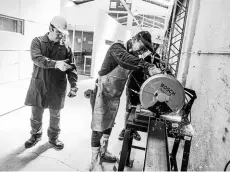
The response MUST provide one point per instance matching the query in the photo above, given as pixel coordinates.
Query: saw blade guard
(162, 94)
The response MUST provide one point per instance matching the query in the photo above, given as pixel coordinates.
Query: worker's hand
(61, 65)
(88, 93)
(73, 92)
(153, 70)
(73, 67)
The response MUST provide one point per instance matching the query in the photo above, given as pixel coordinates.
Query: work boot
(121, 135)
(57, 144)
(136, 136)
(106, 156)
(33, 140)
(96, 164)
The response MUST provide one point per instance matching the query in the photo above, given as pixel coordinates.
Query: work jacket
(137, 77)
(48, 85)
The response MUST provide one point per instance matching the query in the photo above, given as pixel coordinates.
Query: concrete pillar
(189, 34)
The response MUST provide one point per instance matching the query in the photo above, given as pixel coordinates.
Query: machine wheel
(124, 150)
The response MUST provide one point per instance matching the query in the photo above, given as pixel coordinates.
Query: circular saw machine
(163, 110)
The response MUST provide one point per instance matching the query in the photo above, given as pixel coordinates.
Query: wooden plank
(156, 150)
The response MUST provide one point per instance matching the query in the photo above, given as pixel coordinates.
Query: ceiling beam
(78, 2)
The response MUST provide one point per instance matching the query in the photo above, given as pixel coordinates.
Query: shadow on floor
(16, 160)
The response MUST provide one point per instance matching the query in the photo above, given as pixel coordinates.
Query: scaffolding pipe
(127, 8)
(171, 30)
(182, 34)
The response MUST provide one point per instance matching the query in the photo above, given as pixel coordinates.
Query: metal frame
(142, 125)
(129, 11)
(79, 2)
(179, 19)
(138, 121)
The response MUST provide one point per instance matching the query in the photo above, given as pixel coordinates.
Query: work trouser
(97, 135)
(36, 122)
(132, 98)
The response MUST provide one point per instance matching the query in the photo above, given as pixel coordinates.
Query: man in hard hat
(53, 61)
(112, 78)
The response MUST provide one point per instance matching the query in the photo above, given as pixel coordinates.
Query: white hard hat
(158, 40)
(60, 24)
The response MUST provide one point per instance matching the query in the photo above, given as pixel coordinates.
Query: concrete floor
(76, 133)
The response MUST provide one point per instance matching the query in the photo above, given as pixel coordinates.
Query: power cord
(226, 166)
(12, 111)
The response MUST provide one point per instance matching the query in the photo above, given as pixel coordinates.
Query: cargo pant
(54, 124)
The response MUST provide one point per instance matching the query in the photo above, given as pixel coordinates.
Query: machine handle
(191, 93)
(187, 107)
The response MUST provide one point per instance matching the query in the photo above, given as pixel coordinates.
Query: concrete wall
(15, 61)
(106, 29)
(208, 29)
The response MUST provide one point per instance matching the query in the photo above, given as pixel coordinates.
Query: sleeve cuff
(52, 63)
(73, 85)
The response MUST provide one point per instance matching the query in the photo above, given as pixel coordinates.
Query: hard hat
(60, 24)
(158, 40)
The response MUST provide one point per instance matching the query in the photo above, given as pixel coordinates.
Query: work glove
(153, 70)
(73, 92)
(88, 93)
(63, 66)
(73, 67)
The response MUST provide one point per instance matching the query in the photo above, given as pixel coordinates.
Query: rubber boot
(106, 156)
(96, 164)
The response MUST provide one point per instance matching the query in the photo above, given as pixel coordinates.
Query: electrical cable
(226, 166)
(12, 111)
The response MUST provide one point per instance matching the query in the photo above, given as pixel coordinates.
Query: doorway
(83, 47)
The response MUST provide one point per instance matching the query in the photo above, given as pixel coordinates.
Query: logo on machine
(167, 89)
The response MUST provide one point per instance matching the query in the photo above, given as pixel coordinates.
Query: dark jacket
(48, 85)
(118, 55)
(137, 77)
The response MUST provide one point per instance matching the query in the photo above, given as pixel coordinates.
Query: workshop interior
(183, 107)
